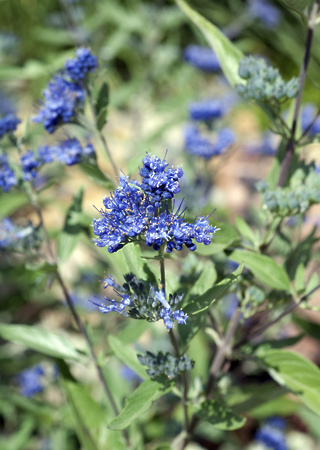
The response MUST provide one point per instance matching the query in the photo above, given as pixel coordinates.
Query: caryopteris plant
(206, 353)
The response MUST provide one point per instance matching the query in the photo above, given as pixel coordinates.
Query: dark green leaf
(102, 98)
(40, 340)
(281, 406)
(139, 402)
(69, 236)
(264, 268)
(301, 376)
(228, 55)
(220, 415)
(102, 118)
(21, 437)
(311, 328)
(96, 175)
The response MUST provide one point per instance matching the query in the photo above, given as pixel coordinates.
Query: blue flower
(71, 152)
(84, 62)
(17, 237)
(29, 163)
(265, 11)
(266, 147)
(30, 381)
(202, 57)
(62, 99)
(46, 154)
(8, 124)
(157, 181)
(199, 145)
(7, 176)
(307, 117)
(272, 437)
(206, 110)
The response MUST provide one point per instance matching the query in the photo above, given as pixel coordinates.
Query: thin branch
(302, 77)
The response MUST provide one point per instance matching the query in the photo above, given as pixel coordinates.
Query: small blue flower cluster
(78, 67)
(62, 99)
(141, 302)
(65, 94)
(271, 434)
(308, 117)
(7, 175)
(30, 381)
(202, 57)
(266, 147)
(159, 183)
(8, 124)
(197, 144)
(265, 11)
(133, 213)
(19, 238)
(206, 110)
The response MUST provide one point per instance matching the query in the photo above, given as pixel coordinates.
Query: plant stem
(293, 305)
(100, 134)
(302, 77)
(175, 344)
(76, 317)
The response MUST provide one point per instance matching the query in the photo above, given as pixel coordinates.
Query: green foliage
(220, 416)
(165, 364)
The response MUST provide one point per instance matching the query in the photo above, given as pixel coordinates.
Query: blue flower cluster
(139, 301)
(62, 100)
(206, 110)
(7, 175)
(266, 147)
(133, 213)
(271, 434)
(17, 237)
(197, 144)
(84, 62)
(202, 57)
(30, 381)
(265, 11)
(8, 124)
(308, 117)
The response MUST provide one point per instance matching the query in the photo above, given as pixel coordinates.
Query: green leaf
(264, 268)
(20, 438)
(313, 282)
(224, 238)
(220, 415)
(281, 406)
(89, 417)
(139, 402)
(40, 340)
(69, 236)
(301, 376)
(45, 268)
(299, 6)
(127, 355)
(228, 55)
(10, 203)
(102, 118)
(96, 175)
(299, 282)
(102, 98)
(245, 231)
(311, 328)
(275, 344)
(204, 302)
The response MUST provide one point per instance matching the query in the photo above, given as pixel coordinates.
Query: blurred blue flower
(29, 163)
(6, 104)
(8, 124)
(199, 145)
(7, 175)
(46, 154)
(71, 152)
(17, 237)
(203, 58)
(265, 11)
(308, 115)
(84, 62)
(30, 381)
(277, 422)
(266, 147)
(61, 100)
(206, 110)
(272, 437)
(129, 375)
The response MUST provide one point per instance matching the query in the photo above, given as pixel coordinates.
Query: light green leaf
(69, 236)
(228, 55)
(245, 231)
(96, 175)
(300, 375)
(127, 355)
(139, 402)
(299, 282)
(313, 282)
(281, 406)
(264, 268)
(10, 203)
(220, 415)
(204, 302)
(40, 340)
